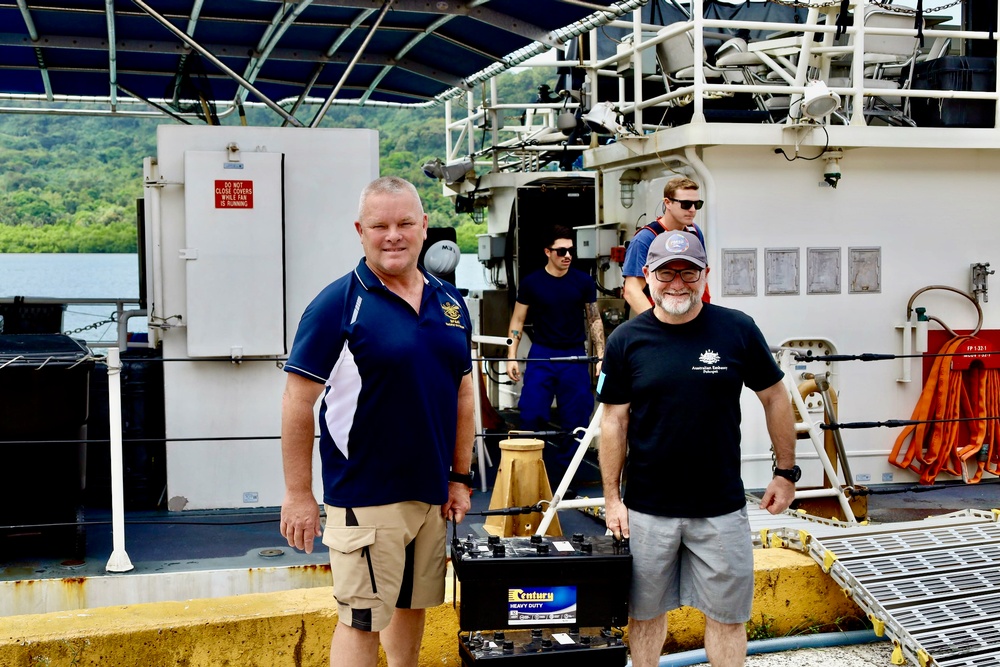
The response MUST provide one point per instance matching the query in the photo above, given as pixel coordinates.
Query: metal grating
(934, 586)
(940, 561)
(955, 612)
(910, 541)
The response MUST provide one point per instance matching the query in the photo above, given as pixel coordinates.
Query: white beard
(679, 304)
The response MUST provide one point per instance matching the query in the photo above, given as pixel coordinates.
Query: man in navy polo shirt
(387, 348)
(558, 298)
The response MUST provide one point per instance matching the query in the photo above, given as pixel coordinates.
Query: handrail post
(698, 35)
(119, 561)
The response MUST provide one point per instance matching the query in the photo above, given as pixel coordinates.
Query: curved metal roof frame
(281, 53)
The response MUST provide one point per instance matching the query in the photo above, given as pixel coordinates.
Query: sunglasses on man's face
(686, 204)
(562, 252)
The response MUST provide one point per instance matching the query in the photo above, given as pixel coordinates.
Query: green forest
(69, 184)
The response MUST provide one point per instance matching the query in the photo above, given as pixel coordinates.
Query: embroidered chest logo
(454, 314)
(709, 357)
(710, 360)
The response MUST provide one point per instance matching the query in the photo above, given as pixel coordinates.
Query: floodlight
(818, 101)
(451, 172)
(603, 119)
(433, 169)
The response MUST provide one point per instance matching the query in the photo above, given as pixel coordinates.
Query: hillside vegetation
(70, 183)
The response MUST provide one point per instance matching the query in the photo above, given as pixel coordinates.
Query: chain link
(889, 7)
(881, 4)
(805, 4)
(94, 325)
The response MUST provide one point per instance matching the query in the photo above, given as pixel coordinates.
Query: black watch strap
(792, 474)
(466, 479)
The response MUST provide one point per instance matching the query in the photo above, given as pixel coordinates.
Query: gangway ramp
(931, 586)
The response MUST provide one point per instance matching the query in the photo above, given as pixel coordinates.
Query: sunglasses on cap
(688, 203)
(562, 252)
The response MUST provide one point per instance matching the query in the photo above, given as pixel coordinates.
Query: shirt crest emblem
(709, 357)
(453, 312)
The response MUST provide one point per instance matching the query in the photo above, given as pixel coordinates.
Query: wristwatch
(791, 474)
(462, 479)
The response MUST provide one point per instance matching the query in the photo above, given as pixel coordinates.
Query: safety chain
(805, 4)
(882, 4)
(889, 7)
(110, 320)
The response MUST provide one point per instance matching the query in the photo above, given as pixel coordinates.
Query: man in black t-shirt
(558, 297)
(671, 385)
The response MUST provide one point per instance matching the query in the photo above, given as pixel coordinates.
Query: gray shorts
(702, 563)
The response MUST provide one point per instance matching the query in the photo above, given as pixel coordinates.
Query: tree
(69, 183)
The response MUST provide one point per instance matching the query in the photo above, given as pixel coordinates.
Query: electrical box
(593, 241)
(234, 253)
(491, 246)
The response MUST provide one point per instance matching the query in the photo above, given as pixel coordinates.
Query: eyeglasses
(562, 252)
(668, 275)
(686, 204)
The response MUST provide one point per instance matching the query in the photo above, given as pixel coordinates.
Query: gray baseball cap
(669, 246)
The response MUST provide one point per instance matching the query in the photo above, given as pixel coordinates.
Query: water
(69, 275)
(114, 276)
(81, 276)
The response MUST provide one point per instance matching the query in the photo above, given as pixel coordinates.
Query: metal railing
(808, 51)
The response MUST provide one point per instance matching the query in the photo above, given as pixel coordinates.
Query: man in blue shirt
(680, 205)
(556, 294)
(387, 348)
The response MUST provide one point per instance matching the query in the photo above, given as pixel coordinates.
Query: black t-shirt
(555, 306)
(683, 384)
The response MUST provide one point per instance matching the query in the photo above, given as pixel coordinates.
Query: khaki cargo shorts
(384, 557)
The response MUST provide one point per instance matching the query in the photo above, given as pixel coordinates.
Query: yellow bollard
(521, 481)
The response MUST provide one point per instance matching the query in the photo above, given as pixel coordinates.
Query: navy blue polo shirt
(388, 417)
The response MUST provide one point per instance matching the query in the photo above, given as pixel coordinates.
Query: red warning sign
(234, 194)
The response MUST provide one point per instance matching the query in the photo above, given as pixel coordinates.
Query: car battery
(551, 648)
(542, 581)
(547, 600)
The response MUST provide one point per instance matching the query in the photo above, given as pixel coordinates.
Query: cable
(895, 423)
(826, 147)
(497, 380)
(873, 356)
(886, 491)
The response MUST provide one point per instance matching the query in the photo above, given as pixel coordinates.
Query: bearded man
(671, 384)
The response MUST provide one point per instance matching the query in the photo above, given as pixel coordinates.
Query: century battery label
(553, 605)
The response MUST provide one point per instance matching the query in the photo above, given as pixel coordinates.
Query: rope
(939, 443)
